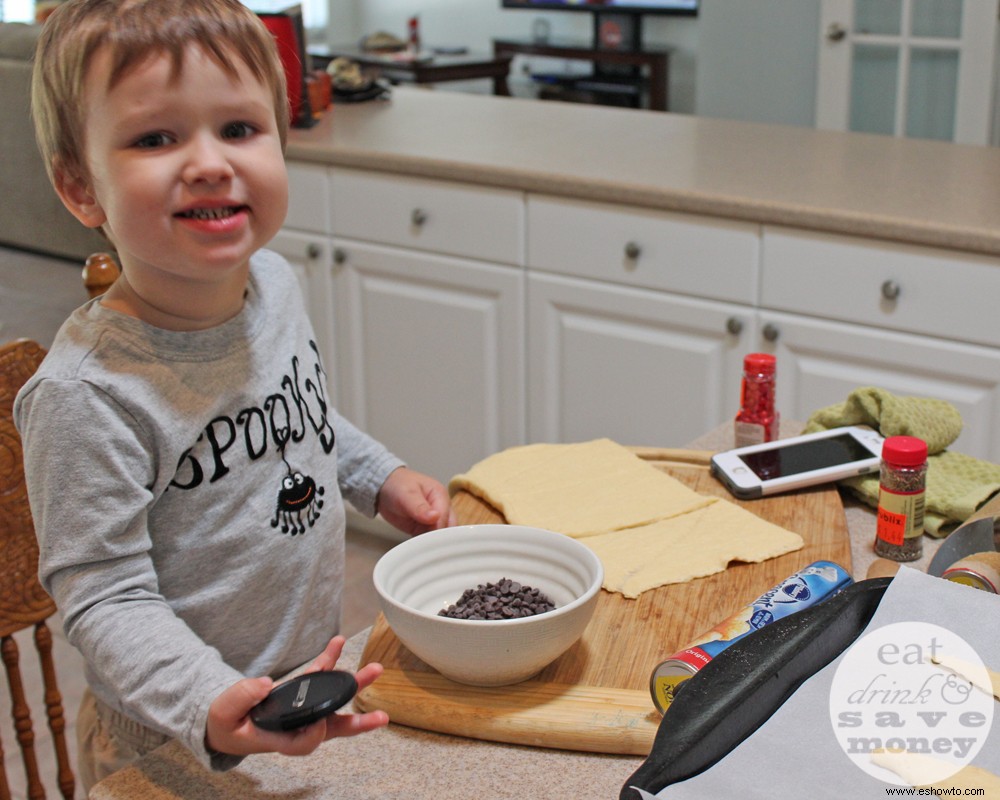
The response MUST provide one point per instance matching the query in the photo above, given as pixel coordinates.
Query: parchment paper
(796, 753)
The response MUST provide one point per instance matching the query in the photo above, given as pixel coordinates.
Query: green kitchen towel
(957, 484)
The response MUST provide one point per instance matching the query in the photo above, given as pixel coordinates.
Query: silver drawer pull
(890, 290)
(771, 332)
(836, 32)
(633, 251)
(734, 325)
(418, 217)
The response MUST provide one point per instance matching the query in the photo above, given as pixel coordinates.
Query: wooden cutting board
(595, 697)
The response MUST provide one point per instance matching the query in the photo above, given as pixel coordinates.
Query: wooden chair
(23, 602)
(99, 272)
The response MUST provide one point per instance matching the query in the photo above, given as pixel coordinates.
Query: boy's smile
(186, 175)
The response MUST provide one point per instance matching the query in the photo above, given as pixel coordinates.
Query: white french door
(918, 68)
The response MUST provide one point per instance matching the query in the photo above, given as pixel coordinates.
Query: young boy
(185, 468)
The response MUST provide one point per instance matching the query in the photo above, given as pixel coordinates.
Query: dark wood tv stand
(655, 60)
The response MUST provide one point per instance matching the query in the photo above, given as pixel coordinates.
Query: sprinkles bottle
(757, 420)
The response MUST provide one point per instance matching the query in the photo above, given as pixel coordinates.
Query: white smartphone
(759, 470)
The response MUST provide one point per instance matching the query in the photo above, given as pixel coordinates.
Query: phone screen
(794, 459)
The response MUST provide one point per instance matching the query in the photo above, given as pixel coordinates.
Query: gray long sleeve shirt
(186, 489)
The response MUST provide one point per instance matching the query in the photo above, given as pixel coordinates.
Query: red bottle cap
(763, 363)
(907, 451)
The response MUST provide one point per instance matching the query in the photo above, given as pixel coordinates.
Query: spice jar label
(900, 516)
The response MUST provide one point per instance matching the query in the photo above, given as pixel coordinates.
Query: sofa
(31, 215)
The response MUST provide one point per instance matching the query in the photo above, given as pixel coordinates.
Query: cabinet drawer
(308, 198)
(906, 288)
(639, 247)
(429, 215)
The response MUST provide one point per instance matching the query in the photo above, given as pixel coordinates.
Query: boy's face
(186, 174)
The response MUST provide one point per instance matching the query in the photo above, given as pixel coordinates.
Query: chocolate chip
(505, 599)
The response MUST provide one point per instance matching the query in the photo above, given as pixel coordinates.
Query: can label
(805, 588)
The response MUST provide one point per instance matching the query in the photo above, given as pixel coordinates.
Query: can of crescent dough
(980, 571)
(805, 588)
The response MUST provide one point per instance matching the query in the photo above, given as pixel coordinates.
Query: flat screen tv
(687, 8)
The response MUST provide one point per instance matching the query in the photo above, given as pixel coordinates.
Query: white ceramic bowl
(423, 575)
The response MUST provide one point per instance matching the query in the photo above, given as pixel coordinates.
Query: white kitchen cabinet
(468, 319)
(430, 316)
(631, 246)
(820, 362)
(924, 290)
(431, 353)
(308, 198)
(638, 321)
(310, 257)
(638, 366)
(429, 215)
(913, 320)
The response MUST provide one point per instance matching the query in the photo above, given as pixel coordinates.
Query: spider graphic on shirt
(299, 503)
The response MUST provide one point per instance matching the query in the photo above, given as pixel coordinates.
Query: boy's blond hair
(136, 30)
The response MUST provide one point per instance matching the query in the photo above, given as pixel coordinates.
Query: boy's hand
(414, 502)
(229, 729)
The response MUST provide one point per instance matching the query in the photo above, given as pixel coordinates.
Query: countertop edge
(742, 209)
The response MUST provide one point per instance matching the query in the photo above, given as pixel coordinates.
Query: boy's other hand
(229, 729)
(414, 502)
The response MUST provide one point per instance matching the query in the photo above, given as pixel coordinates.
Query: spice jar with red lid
(757, 420)
(902, 483)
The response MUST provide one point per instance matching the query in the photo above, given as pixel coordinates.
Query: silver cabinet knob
(770, 332)
(313, 250)
(836, 32)
(633, 250)
(339, 255)
(734, 325)
(890, 290)
(418, 217)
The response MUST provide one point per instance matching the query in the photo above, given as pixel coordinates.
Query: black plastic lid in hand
(303, 700)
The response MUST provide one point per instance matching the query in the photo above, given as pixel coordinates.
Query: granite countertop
(904, 190)
(402, 762)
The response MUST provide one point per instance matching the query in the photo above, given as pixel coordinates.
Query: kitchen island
(533, 246)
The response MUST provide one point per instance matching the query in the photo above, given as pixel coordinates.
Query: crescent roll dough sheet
(693, 545)
(578, 489)
(648, 528)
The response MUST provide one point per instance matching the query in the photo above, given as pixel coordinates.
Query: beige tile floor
(360, 609)
(36, 294)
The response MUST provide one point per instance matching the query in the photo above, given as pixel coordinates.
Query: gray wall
(741, 59)
(756, 60)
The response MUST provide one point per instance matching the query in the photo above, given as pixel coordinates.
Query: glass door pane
(878, 16)
(932, 93)
(874, 84)
(937, 18)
